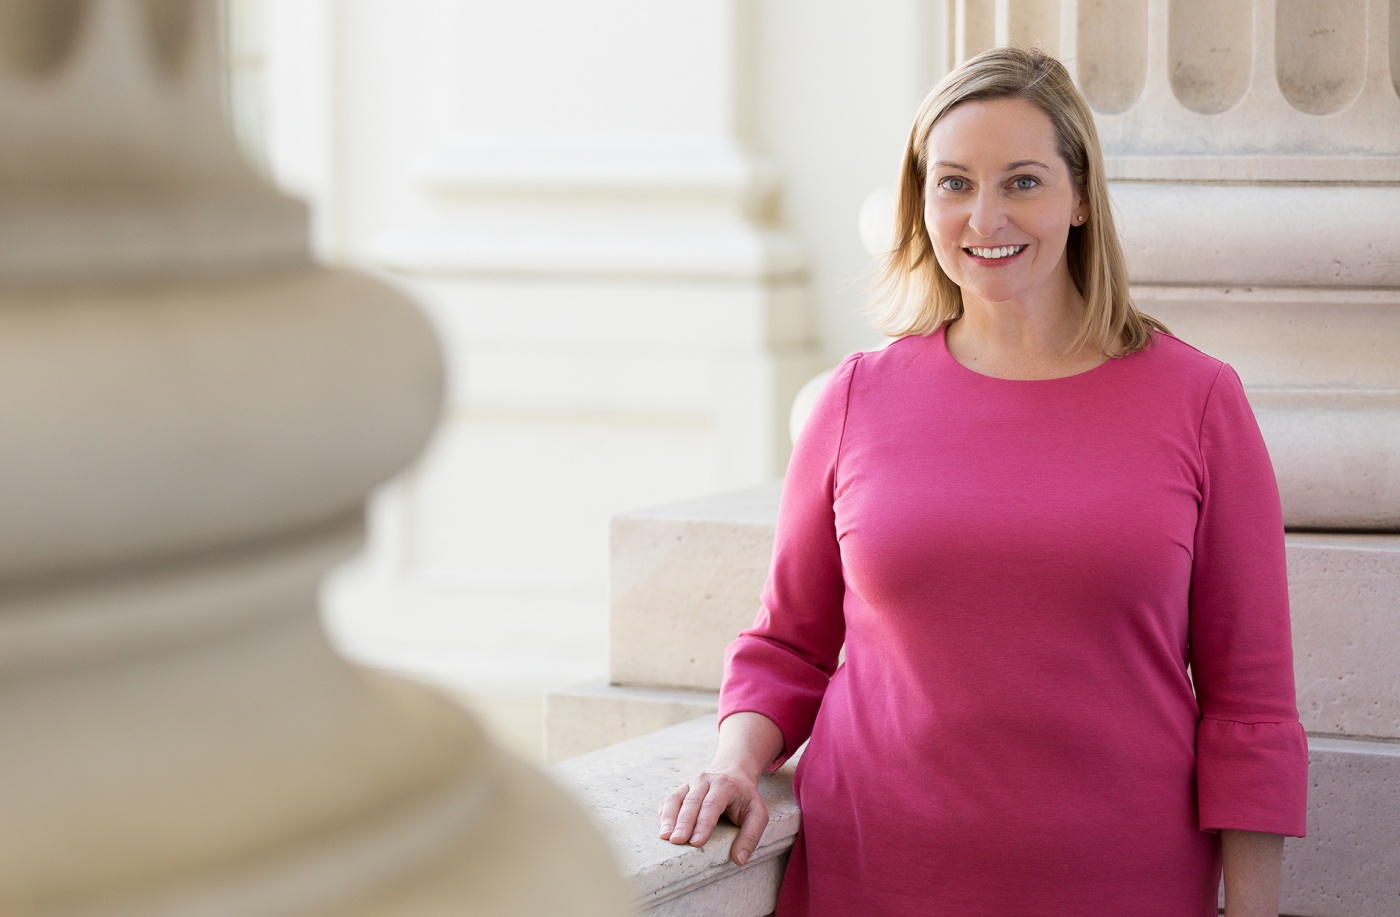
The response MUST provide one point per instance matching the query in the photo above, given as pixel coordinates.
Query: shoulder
(1171, 355)
(1215, 398)
(1176, 367)
(872, 365)
(891, 361)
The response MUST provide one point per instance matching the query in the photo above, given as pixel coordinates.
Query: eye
(1025, 182)
(952, 183)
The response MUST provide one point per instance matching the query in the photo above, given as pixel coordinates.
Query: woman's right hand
(748, 743)
(690, 813)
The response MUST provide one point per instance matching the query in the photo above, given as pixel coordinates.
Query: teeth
(1000, 252)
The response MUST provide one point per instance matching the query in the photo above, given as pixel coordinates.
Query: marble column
(626, 319)
(194, 413)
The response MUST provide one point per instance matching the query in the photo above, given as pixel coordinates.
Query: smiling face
(999, 204)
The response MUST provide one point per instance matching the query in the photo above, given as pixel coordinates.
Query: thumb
(752, 820)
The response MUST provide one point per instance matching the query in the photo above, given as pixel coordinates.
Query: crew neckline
(942, 335)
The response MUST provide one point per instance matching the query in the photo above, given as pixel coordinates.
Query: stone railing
(622, 785)
(686, 577)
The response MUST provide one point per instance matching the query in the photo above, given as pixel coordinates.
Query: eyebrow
(1010, 167)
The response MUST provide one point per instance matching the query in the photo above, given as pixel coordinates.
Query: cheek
(941, 228)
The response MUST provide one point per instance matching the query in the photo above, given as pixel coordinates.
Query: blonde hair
(912, 293)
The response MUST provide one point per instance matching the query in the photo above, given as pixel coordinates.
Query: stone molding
(1322, 235)
(212, 414)
(620, 207)
(1201, 89)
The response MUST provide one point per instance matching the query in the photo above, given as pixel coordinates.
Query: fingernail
(665, 830)
(743, 857)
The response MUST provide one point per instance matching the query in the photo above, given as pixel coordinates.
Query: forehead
(991, 133)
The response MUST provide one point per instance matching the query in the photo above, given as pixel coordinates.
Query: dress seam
(1201, 425)
(845, 414)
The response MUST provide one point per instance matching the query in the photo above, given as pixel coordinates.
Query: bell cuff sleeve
(1252, 776)
(1251, 752)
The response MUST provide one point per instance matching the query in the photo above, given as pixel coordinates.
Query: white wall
(841, 82)
(447, 140)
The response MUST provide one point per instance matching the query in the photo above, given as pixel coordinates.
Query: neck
(1022, 341)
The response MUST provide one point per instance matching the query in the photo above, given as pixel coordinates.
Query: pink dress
(1027, 578)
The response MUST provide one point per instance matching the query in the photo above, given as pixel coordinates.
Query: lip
(996, 262)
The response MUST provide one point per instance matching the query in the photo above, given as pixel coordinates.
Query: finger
(751, 824)
(670, 806)
(721, 797)
(690, 811)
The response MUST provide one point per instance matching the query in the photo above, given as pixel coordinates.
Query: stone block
(622, 787)
(685, 578)
(1349, 864)
(585, 717)
(1257, 233)
(1345, 591)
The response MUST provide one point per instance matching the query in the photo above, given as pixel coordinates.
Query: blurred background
(635, 228)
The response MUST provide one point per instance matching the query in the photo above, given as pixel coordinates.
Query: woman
(1048, 536)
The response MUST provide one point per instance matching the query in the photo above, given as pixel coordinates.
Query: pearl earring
(1079, 219)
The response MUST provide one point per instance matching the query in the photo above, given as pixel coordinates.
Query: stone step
(595, 714)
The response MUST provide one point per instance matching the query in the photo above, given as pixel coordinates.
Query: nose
(988, 214)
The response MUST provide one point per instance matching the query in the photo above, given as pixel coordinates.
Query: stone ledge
(621, 788)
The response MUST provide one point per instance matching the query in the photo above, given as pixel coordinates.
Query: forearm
(748, 743)
(1253, 863)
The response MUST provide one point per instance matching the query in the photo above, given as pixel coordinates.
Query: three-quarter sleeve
(781, 666)
(1251, 752)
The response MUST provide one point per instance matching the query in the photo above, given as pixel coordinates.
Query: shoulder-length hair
(912, 293)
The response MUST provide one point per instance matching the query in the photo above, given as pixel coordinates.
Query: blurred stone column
(625, 318)
(193, 415)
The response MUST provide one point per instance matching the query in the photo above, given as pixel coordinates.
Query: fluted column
(194, 413)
